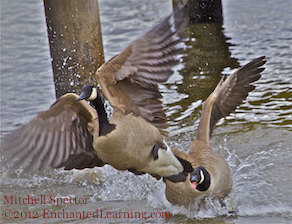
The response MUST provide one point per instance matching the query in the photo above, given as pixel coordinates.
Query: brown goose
(72, 134)
(143, 147)
(211, 175)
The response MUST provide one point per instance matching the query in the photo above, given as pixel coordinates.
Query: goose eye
(202, 177)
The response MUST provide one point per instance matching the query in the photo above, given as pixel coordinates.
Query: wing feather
(232, 92)
(130, 80)
(54, 138)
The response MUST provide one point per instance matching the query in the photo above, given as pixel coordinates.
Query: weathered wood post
(203, 11)
(75, 42)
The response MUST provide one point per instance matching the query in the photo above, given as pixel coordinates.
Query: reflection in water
(206, 56)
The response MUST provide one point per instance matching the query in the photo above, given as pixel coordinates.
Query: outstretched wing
(55, 138)
(130, 79)
(235, 89)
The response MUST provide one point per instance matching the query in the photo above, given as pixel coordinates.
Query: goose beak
(194, 180)
(82, 96)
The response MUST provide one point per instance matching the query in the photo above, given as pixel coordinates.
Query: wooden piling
(75, 42)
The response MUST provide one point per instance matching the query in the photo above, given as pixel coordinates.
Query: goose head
(88, 92)
(200, 179)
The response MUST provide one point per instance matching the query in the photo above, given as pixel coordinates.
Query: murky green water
(256, 140)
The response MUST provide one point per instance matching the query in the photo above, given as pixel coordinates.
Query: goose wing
(130, 79)
(56, 137)
(235, 89)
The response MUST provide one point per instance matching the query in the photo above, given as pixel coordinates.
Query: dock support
(75, 42)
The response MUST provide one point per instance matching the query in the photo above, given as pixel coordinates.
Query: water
(256, 140)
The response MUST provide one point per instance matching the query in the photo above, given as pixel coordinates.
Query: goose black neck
(104, 126)
(205, 185)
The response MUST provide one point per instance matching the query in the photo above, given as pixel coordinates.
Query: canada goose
(143, 147)
(211, 175)
(134, 138)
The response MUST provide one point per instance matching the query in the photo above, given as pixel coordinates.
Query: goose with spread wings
(72, 134)
(211, 175)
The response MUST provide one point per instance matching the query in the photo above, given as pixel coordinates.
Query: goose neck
(102, 115)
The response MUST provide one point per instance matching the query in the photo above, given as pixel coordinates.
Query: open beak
(194, 185)
(194, 180)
